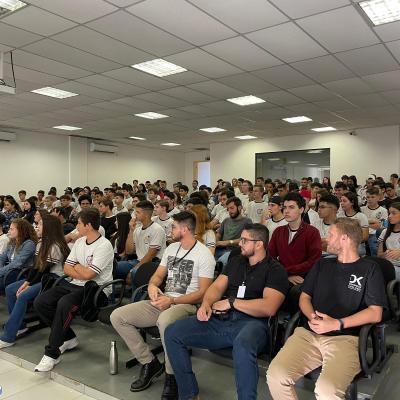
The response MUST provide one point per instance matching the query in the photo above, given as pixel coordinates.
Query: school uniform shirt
(174, 211)
(362, 219)
(322, 227)
(115, 210)
(215, 210)
(267, 273)
(255, 210)
(185, 267)
(97, 256)
(4, 240)
(127, 203)
(392, 243)
(153, 237)
(209, 238)
(343, 289)
(380, 213)
(272, 225)
(245, 200)
(166, 224)
(222, 215)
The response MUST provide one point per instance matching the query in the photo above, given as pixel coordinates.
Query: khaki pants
(142, 314)
(305, 351)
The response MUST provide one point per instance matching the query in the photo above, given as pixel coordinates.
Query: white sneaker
(47, 364)
(22, 331)
(3, 344)
(69, 345)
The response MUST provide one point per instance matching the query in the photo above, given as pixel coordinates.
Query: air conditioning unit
(102, 148)
(7, 137)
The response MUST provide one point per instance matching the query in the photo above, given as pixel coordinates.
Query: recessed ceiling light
(136, 138)
(381, 11)
(159, 67)
(273, 159)
(314, 151)
(296, 120)
(245, 137)
(170, 144)
(324, 129)
(293, 162)
(11, 5)
(53, 92)
(151, 115)
(67, 128)
(312, 165)
(213, 129)
(246, 100)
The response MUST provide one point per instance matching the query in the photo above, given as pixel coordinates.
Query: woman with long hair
(51, 252)
(29, 210)
(11, 211)
(351, 209)
(389, 239)
(204, 232)
(326, 183)
(118, 239)
(20, 250)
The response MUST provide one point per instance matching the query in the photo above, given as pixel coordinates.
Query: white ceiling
(322, 59)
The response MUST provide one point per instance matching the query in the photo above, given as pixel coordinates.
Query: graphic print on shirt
(180, 273)
(355, 283)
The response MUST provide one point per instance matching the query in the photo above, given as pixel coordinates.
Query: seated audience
(221, 210)
(119, 203)
(389, 239)
(188, 268)
(305, 191)
(391, 195)
(20, 251)
(11, 211)
(282, 190)
(234, 313)
(204, 233)
(244, 196)
(338, 297)
(184, 193)
(169, 196)
(61, 214)
(255, 209)
(340, 189)
(22, 198)
(381, 186)
(228, 234)
(108, 218)
(91, 259)
(118, 239)
(162, 218)
(51, 252)
(4, 239)
(66, 204)
(29, 210)
(273, 216)
(48, 203)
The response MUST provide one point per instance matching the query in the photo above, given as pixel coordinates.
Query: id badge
(170, 273)
(241, 292)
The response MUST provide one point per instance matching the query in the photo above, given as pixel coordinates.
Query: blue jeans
(17, 308)
(222, 255)
(246, 335)
(373, 244)
(123, 269)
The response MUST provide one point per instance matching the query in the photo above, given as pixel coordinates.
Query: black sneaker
(170, 391)
(148, 373)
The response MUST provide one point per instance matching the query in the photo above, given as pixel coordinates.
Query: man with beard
(228, 235)
(188, 267)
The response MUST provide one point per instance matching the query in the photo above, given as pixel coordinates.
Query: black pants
(56, 308)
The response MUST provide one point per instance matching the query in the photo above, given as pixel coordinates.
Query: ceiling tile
(184, 20)
(312, 93)
(384, 81)
(360, 60)
(283, 76)
(36, 77)
(242, 53)
(323, 69)
(335, 104)
(161, 99)
(393, 96)
(4, 48)
(288, 42)
(76, 10)
(238, 15)
(216, 89)
(86, 90)
(353, 32)
(282, 98)
(185, 78)
(139, 78)
(38, 21)
(131, 30)
(298, 9)
(138, 106)
(349, 86)
(60, 52)
(248, 83)
(123, 3)
(199, 61)
(16, 37)
(394, 47)
(389, 31)
(368, 100)
(188, 95)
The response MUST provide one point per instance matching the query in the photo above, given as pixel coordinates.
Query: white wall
(38, 161)
(374, 150)
(190, 158)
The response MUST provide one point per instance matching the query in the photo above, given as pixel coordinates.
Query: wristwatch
(231, 301)
(341, 324)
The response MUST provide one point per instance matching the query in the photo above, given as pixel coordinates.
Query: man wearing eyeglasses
(235, 313)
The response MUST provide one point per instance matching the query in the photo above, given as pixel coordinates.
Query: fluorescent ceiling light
(293, 162)
(246, 100)
(324, 129)
(53, 92)
(159, 67)
(136, 138)
(213, 129)
(314, 151)
(151, 115)
(67, 128)
(12, 5)
(170, 144)
(245, 137)
(312, 165)
(381, 11)
(296, 120)
(273, 159)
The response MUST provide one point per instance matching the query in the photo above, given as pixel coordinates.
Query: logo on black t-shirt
(355, 283)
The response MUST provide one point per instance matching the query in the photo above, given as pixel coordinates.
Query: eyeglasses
(245, 240)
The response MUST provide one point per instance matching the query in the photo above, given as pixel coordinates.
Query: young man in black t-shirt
(338, 297)
(234, 313)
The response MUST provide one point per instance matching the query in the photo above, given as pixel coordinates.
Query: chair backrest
(144, 273)
(387, 268)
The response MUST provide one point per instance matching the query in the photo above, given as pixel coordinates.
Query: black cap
(275, 200)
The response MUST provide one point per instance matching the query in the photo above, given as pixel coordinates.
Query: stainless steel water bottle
(113, 358)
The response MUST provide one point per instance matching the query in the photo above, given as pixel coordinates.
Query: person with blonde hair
(204, 233)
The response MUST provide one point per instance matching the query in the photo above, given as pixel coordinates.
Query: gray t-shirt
(231, 229)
